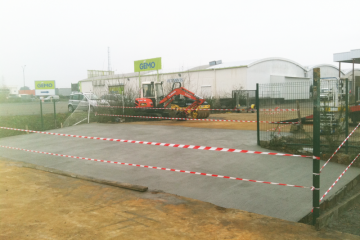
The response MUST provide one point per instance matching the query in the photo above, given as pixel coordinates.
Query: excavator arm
(182, 91)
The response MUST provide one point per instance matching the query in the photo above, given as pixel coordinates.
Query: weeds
(32, 122)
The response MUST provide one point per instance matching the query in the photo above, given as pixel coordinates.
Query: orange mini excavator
(180, 102)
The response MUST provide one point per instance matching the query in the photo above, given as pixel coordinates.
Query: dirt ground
(232, 125)
(208, 124)
(41, 205)
(270, 127)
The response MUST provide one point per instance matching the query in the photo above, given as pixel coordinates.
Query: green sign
(40, 85)
(116, 89)
(147, 64)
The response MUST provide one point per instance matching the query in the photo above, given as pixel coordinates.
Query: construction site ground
(288, 203)
(41, 205)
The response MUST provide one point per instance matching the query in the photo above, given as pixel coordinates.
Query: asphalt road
(283, 202)
(31, 108)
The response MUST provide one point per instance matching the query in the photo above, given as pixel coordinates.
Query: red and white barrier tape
(340, 146)
(272, 113)
(159, 168)
(278, 110)
(342, 174)
(210, 109)
(192, 119)
(279, 127)
(167, 144)
(202, 109)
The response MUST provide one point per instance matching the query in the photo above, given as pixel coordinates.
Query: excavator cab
(151, 94)
(176, 85)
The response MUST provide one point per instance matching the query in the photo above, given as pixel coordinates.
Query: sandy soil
(229, 125)
(41, 205)
(207, 124)
(264, 116)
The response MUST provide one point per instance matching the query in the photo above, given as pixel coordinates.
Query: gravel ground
(349, 222)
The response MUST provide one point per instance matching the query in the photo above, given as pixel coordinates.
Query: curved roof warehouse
(217, 79)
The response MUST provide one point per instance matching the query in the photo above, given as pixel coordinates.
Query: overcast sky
(61, 40)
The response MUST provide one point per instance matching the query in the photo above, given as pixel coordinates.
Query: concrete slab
(287, 203)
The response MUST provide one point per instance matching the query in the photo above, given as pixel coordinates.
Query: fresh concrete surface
(287, 203)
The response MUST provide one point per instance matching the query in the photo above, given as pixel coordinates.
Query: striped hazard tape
(278, 110)
(158, 168)
(342, 174)
(278, 128)
(192, 119)
(202, 109)
(167, 144)
(210, 109)
(339, 147)
(272, 113)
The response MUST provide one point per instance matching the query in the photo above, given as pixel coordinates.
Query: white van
(52, 98)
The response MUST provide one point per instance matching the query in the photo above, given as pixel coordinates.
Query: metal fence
(244, 98)
(293, 105)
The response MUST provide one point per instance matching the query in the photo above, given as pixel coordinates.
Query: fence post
(41, 115)
(257, 101)
(54, 113)
(347, 114)
(89, 111)
(316, 144)
(123, 103)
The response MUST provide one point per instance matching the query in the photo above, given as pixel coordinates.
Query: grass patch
(33, 122)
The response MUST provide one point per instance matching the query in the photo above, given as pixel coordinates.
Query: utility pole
(109, 64)
(23, 67)
(316, 144)
(3, 81)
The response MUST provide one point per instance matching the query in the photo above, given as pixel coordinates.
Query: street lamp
(24, 73)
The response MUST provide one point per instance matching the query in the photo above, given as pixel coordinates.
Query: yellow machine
(197, 114)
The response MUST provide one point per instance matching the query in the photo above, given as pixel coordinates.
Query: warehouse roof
(309, 68)
(249, 63)
(243, 63)
(349, 71)
(117, 76)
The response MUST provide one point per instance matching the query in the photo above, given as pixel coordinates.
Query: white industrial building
(326, 71)
(218, 79)
(348, 73)
(353, 57)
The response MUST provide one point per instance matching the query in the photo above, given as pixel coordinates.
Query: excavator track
(180, 112)
(203, 114)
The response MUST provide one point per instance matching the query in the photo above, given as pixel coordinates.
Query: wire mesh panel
(333, 120)
(244, 99)
(288, 107)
